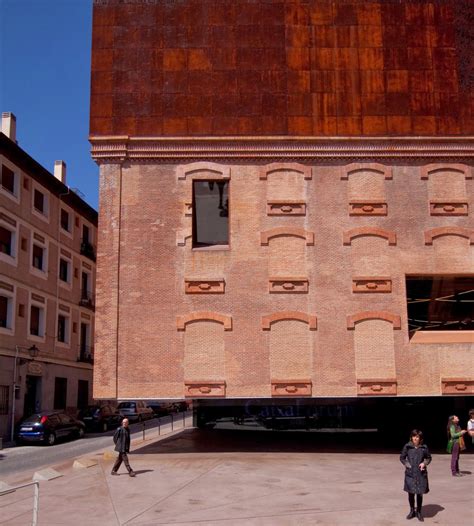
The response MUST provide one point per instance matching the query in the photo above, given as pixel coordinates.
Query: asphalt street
(21, 458)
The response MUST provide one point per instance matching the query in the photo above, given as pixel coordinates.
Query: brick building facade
(280, 182)
(47, 286)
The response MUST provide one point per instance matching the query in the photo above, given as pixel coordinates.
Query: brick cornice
(373, 315)
(182, 321)
(449, 231)
(280, 149)
(389, 235)
(287, 231)
(311, 320)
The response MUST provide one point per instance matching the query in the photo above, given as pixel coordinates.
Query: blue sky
(45, 48)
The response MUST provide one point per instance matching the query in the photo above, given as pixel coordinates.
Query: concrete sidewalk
(201, 478)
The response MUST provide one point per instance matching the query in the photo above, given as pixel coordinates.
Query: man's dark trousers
(122, 457)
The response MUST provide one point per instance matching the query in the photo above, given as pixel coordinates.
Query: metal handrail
(35, 483)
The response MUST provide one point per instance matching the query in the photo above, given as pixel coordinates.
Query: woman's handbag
(462, 445)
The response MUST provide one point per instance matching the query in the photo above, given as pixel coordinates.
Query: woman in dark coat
(415, 456)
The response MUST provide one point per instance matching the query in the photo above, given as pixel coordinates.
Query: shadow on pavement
(261, 441)
(431, 510)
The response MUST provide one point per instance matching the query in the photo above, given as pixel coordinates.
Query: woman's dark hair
(450, 423)
(417, 433)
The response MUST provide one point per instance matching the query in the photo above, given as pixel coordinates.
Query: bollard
(159, 426)
(171, 421)
(143, 430)
(184, 418)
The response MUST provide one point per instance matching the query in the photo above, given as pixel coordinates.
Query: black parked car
(100, 417)
(48, 427)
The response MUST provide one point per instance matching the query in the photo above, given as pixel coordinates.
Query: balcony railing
(87, 299)
(88, 249)
(86, 354)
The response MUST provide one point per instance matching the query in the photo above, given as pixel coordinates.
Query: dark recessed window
(5, 309)
(38, 257)
(39, 201)
(8, 179)
(62, 326)
(210, 213)
(440, 303)
(64, 270)
(6, 241)
(65, 220)
(36, 321)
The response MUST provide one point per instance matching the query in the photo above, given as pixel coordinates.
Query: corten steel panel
(282, 67)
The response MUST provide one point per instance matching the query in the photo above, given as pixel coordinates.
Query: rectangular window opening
(38, 257)
(5, 312)
(64, 270)
(39, 201)
(440, 303)
(210, 213)
(6, 241)
(60, 393)
(65, 222)
(8, 179)
(36, 321)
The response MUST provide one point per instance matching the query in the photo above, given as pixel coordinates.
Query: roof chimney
(9, 125)
(60, 171)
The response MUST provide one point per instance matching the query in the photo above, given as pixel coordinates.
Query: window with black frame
(440, 303)
(210, 213)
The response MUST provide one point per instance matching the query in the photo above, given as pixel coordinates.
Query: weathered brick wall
(162, 337)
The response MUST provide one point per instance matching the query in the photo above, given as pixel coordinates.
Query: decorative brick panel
(364, 207)
(204, 389)
(287, 388)
(376, 386)
(429, 169)
(430, 235)
(268, 320)
(288, 285)
(353, 168)
(267, 170)
(373, 315)
(203, 170)
(286, 208)
(286, 231)
(204, 286)
(448, 208)
(389, 235)
(457, 386)
(371, 284)
(182, 321)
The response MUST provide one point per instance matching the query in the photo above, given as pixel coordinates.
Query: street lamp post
(33, 351)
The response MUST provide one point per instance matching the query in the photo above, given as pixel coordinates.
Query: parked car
(162, 408)
(181, 406)
(100, 417)
(48, 427)
(135, 411)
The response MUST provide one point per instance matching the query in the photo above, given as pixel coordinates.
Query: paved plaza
(225, 477)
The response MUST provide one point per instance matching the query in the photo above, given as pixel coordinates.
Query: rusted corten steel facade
(344, 131)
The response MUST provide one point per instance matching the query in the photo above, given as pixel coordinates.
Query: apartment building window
(63, 328)
(6, 311)
(7, 241)
(60, 393)
(39, 201)
(4, 401)
(9, 181)
(64, 270)
(440, 303)
(210, 213)
(38, 257)
(37, 320)
(65, 220)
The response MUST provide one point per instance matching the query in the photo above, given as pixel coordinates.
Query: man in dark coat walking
(122, 445)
